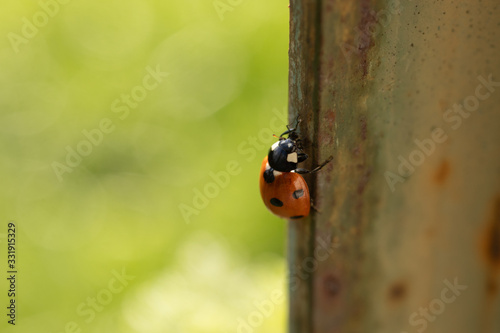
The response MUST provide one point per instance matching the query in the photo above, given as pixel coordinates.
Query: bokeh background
(118, 210)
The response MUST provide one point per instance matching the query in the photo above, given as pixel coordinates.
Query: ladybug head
(286, 152)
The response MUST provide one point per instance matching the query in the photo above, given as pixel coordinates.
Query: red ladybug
(287, 195)
(283, 189)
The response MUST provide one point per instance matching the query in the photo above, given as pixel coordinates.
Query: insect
(283, 189)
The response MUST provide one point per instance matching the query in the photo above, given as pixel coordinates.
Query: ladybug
(284, 191)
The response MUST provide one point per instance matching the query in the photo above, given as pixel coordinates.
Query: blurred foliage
(118, 208)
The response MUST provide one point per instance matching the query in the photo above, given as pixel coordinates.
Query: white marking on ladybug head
(268, 166)
(289, 145)
(292, 157)
(276, 173)
(275, 145)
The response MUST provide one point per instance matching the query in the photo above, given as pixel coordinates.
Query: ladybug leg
(269, 175)
(314, 207)
(316, 169)
(319, 167)
(298, 142)
(297, 121)
(301, 157)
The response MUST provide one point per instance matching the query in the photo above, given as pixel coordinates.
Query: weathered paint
(412, 62)
(303, 99)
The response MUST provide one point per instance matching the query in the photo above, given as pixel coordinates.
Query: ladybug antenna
(291, 131)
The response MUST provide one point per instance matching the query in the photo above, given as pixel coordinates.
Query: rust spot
(331, 285)
(363, 181)
(397, 291)
(354, 230)
(330, 117)
(491, 285)
(325, 139)
(443, 105)
(368, 22)
(356, 150)
(491, 248)
(362, 121)
(442, 172)
(330, 120)
(493, 236)
(430, 232)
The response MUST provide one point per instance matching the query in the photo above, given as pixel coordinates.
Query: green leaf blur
(132, 137)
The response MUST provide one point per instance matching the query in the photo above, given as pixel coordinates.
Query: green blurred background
(118, 210)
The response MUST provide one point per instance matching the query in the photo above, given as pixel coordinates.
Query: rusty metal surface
(380, 85)
(303, 99)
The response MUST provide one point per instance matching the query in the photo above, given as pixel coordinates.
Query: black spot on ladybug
(269, 175)
(276, 202)
(297, 194)
(297, 217)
